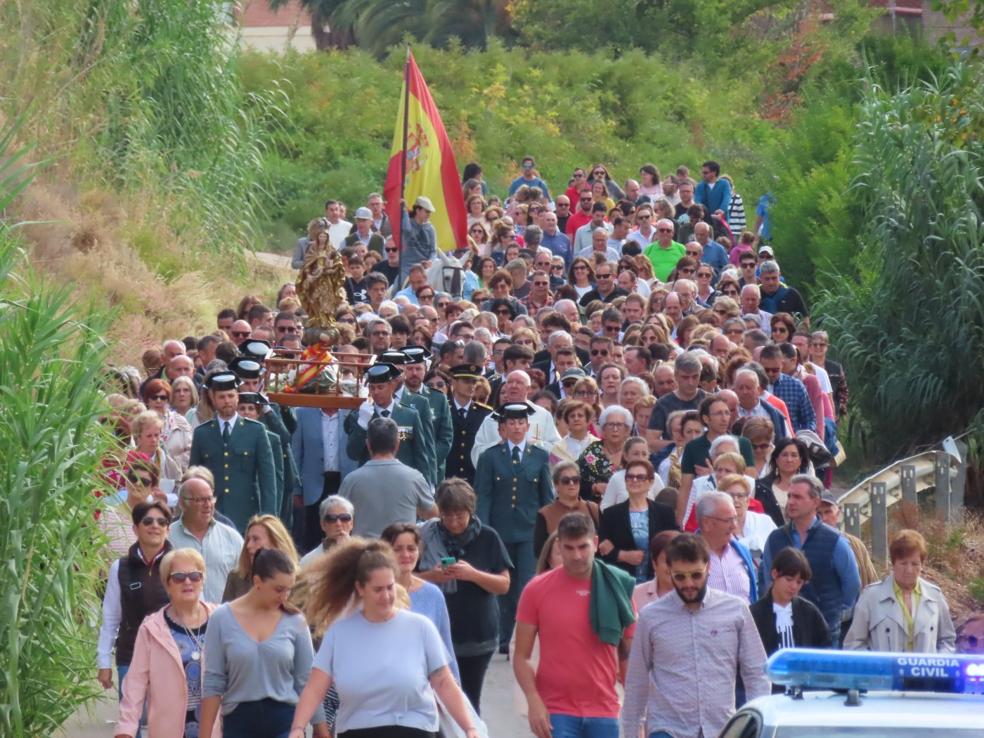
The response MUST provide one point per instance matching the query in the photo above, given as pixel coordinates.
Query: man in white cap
(419, 242)
(363, 232)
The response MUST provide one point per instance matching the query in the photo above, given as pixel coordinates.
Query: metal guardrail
(901, 482)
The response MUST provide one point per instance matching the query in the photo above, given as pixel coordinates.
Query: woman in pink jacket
(170, 645)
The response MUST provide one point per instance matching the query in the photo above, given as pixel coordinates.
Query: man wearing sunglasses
(133, 590)
(384, 490)
(685, 642)
(664, 252)
(198, 528)
(582, 214)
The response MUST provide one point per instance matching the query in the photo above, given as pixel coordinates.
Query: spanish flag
(422, 163)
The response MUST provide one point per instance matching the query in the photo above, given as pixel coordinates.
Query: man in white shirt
(338, 228)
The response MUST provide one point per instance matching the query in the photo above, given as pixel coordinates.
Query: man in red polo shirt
(583, 648)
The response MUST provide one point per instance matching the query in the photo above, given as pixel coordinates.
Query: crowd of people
(608, 458)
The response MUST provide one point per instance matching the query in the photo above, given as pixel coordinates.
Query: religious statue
(321, 281)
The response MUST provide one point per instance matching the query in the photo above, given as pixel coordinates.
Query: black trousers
(387, 731)
(472, 670)
(312, 519)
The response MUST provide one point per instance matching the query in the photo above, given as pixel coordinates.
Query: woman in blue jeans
(258, 655)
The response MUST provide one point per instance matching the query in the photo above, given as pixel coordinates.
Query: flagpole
(403, 153)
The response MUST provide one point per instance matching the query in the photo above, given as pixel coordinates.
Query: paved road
(499, 710)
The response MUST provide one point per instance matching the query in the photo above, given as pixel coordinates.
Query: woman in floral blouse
(600, 460)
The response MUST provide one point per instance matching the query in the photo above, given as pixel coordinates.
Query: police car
(859, 694)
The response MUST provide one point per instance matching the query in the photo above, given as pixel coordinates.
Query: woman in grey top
(258, 655)
(418, 237)
(385, 661)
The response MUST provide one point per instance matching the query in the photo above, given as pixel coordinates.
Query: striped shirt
(728, 573)
(684, 663)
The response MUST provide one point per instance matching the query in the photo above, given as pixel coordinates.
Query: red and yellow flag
(429, 168)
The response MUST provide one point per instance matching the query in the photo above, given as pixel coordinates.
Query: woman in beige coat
(903, 612)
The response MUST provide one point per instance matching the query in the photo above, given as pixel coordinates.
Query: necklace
(196, 654)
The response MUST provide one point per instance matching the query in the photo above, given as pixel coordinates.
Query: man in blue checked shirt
(788, 389)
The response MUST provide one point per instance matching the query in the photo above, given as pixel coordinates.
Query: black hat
(222, 381)
(515, 410)
(381, 372)
(394, 357)
(466, 371)
(246, 367)
(254, 348)
(253, 398)
(415, 354)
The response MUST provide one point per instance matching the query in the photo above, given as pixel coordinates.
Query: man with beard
(688, 651)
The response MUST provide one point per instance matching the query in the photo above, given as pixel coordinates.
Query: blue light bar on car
(817, 669)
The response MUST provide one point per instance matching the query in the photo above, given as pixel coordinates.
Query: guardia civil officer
(237, 452)
(512, 482)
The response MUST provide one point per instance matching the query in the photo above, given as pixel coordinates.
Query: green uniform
(411, 451)
(245, 475)
(509, 495)
(278, 467)
(423, 407)
(274, 422)
(443, 429)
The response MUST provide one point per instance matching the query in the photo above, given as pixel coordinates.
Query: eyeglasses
(819, 344)
(557, 267)
(425, 296)
(563, 205)
(390, 250)
(599, 275)
(200, 500)
(286, 329)
(340, 518)
(695, 254)
(186, 576)
(151, 520)
(683, 576)
(615, 425)
(541, 284)
(578, 175)
(612, 328)
(748, 265)
(732, 519)
(241, 334)
(704, 275)
(580, 268)
(584, 199)
(568, 480)
(159, 398)
(687, 270)
(141, 481)
(738, 496)
(638, 478)
(664, 230)
(599, 352)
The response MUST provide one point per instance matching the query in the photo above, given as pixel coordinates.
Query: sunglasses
(584, 199)
(425, 297)
(286, 329)
(391, 251)
(141, 481)
(568, 480)
(241, 334)
(159, 398)
(541, 284)
(599, 275)
(664, 230)
(563, 205)
(638, 478)
(151, 520)
(687, 270)
(340, 518)
(187, 576)
(599, 352)
(682, 576)
(694, 254)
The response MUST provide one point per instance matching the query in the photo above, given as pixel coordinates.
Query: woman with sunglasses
(706, 294)
(582, 276)
(262, 532)
(600, 174)
(627, 527)
(567, 483)
(176, 432)
(140, 479)
(146, 431)
(133, 590)
(170, 646)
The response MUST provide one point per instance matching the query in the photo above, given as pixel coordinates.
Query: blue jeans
(121, 673)
(569, 726)
(259, 719)
(525, 567)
